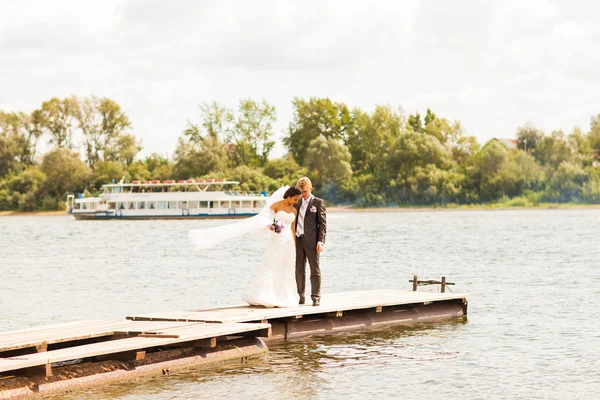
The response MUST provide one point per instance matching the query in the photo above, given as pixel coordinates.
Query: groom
(310, 239)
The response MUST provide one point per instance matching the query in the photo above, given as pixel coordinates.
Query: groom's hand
(319, 247)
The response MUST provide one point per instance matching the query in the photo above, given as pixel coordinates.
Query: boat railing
(230, 193)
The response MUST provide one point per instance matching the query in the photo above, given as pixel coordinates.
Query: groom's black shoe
(316, 303)
(302, 301)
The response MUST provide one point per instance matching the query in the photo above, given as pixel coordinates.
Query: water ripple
(533, 277)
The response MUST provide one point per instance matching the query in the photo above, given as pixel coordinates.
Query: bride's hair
(292, 191)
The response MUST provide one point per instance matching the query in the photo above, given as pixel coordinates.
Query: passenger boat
(167, 200)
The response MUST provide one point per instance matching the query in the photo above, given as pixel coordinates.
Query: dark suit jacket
(315, 222)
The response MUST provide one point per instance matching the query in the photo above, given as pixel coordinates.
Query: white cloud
(492, 65)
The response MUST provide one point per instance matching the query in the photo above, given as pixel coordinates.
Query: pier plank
(85, 330)
(336, 303)
(47, 328)
(185, 333)
(184, 328)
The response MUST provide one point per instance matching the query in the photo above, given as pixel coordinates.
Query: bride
(275, 283)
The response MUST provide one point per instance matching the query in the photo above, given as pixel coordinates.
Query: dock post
(443, 290)
(415, 283)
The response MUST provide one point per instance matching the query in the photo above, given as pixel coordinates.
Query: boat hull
(105, 216)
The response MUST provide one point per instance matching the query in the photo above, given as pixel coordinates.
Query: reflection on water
(383, 346)
(533, 276)
(295, 368)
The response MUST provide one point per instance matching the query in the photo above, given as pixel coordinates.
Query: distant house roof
(509, 143)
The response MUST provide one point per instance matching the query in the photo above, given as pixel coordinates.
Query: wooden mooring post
(443, 283)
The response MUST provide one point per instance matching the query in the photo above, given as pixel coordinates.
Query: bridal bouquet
(277, 225)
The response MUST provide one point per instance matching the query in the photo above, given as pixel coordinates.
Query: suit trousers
(308, 251)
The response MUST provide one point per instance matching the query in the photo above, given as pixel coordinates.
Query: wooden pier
(56, 357)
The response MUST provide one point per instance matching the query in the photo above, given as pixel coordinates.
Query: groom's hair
(292, 191)
(304, 182)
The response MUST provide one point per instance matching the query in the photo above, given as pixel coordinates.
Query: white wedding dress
(275, 283)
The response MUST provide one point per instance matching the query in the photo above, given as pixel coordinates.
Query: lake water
(532, 330)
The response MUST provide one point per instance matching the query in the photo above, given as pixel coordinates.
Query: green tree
(11, 143)
(107, 172)
(411, 151)
(123, 149)
(372, 138)
(138, 170)
(591, 189)
(328, 161)
(580, 146)
(56, 118)
(312, 119)
(65, 172)
(445, 131)
(594, 137)
(195, 160)
(285, 169)
(159, 167)
(19, 134)
(552, 150)
(22, 190)
(252, 180)
(432, 185)
(528, 137)
(567, 183)
(488, 165)
(215, 121)
(254, 127)
(103, 124)
(414, 123)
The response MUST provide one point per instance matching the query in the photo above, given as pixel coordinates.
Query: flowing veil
(210, 237)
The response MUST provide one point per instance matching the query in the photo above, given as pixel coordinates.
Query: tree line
(381, 157)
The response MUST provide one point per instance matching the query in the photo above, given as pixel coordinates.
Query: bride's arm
(294, 228)
(274, 207)
(273, 210)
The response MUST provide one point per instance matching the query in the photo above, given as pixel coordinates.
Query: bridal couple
(281, 279)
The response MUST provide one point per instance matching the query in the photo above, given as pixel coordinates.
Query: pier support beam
(42, 347)
(125, 356)
(43, 370)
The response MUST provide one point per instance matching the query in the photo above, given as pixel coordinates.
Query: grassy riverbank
(544, 206)
(32, 213)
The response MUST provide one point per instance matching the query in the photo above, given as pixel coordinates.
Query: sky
(493, 65)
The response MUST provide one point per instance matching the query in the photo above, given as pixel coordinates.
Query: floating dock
(58, 357)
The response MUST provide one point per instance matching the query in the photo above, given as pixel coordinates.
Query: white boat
(167, 200)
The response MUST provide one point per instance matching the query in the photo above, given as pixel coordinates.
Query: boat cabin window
(211, 204)
(193, 204)
(204, 204)
(121, 206)
(151, 205)
(172, 205)
(92, 206)
(112, 205)
(131, 205)
(235, 204)
(246, 204)
(259, 204)
(142, 205)
(162, 205)
(77, 206)
(116, 190)
(183, 204)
